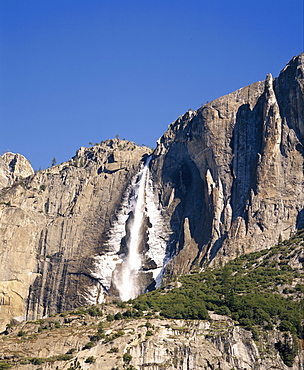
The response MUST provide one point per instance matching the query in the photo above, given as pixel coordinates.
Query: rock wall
(230, 175)
(54, 223)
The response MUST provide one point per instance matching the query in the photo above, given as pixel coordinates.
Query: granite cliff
(231, 173)
(223, 181)
(52, 225)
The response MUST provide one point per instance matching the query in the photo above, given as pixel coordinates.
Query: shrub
(71, 351)
(97, 337)
(113, 350)
(246, 323)
(90, 360)
(21, 333)
(285, 326)
(100, 333)
(64, 357)
(121, 304)
(95, 311)
(118, 316)
(127, 314)
(57, 324)
(255, 334)
(37, 361)
(89, 345)
(127, 358)
(223, 310)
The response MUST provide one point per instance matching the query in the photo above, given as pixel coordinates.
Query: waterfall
(127, 279)
(135, 255)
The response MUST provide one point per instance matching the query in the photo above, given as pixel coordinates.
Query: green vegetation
(110, 338)
(92, 311)
(39, 360)
(71, 351)
(75, 365)
(249, 289)
(106, 337)
(99, 335)
(113, 350)
(288, 349)
(127, 358)
(121, 304)
(247, 293)
(89, 345)
(90, 360)
(5, 365)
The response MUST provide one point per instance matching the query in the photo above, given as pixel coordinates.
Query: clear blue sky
(80, 71)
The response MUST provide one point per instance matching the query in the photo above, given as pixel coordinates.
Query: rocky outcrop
(153, 345)
(230, 175)
(13, 167)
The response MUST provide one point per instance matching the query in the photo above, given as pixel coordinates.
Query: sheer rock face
(231, 173)
(52, 225)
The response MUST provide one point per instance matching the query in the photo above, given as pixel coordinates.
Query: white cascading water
(127, 280)
(122, 270)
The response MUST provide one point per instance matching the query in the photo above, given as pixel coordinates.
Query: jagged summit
(297, 60)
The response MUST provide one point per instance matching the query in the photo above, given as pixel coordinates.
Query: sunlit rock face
(54, 223)
(231, 173)
(13, 167)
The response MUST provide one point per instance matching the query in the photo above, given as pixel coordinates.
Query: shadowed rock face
(227, 179)
(231, 173)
